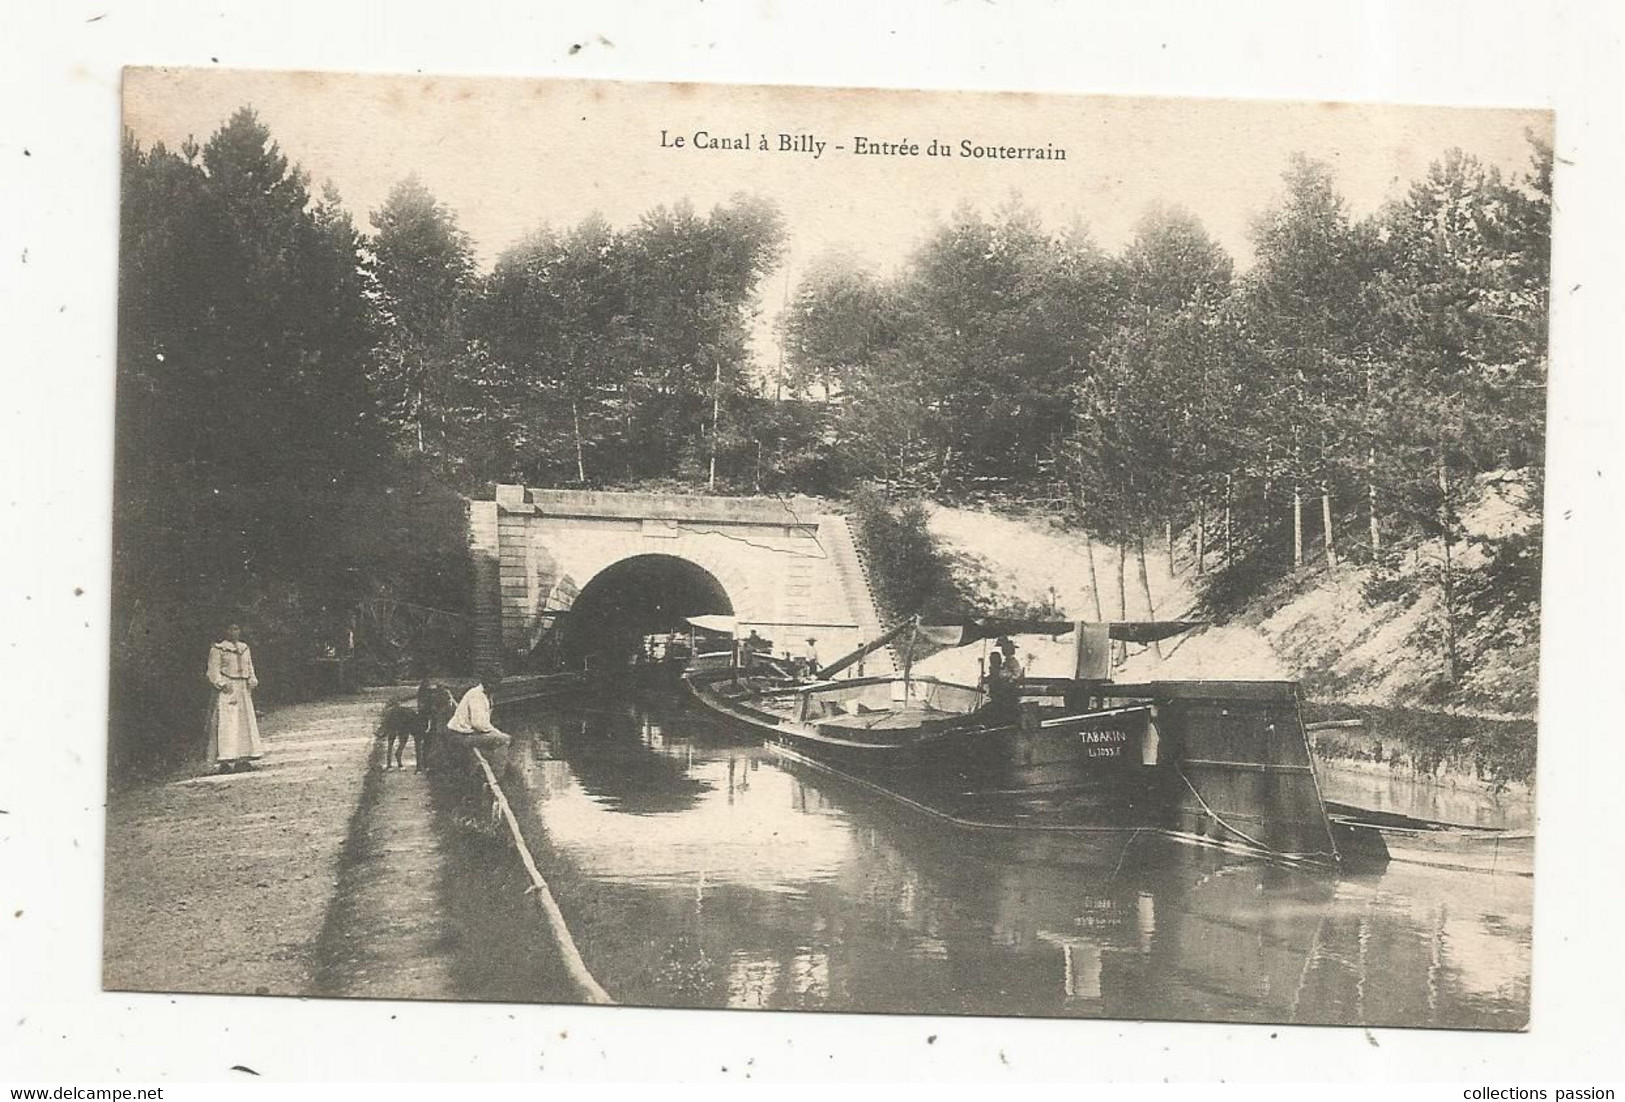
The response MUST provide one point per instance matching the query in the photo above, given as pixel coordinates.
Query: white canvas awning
(726, 625)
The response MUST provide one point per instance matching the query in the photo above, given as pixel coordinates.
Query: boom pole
(868, 648)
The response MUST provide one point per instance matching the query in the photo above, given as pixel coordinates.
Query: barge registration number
(1104, 744)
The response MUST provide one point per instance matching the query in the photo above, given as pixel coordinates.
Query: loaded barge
(1212, 763)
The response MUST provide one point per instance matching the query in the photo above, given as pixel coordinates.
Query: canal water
(697, 868)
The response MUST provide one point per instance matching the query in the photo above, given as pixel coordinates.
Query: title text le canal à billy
(859, 145)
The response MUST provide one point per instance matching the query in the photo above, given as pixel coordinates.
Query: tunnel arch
(636, 596)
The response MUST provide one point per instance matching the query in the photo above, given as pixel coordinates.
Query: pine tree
(425, 271)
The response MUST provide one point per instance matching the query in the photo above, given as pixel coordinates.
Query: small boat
(1376, 837)
(1223, 763)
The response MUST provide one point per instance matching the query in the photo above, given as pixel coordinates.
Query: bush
(1390, 583)
(981, 586)
(1261, 560)
(910, 572)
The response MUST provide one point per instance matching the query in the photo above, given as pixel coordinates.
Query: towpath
(388, 934)
(224, 883)
(319, 873)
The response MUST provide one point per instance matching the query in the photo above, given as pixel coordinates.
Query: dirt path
(222, 883)
(320, 873)
(387, 934)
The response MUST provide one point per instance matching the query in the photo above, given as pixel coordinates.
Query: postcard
(779, 548)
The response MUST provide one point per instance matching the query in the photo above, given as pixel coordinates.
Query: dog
(399, 724)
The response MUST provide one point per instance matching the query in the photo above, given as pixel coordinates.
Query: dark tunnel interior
(635, 597)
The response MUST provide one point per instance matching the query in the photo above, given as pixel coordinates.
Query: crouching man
(470, 725)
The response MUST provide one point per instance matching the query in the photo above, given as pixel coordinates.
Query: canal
(699, 869)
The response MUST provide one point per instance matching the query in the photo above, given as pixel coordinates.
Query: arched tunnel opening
(634, 599)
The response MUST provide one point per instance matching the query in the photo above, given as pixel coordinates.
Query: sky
(510, 155)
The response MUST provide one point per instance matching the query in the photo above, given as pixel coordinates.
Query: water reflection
(700, 870)
(633, 776)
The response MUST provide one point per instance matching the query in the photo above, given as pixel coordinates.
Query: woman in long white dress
(234, 732)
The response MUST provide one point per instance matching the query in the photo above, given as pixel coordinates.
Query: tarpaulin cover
(1124, 631)
(726, 625)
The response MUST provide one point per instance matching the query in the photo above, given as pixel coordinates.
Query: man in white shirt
(471, 722)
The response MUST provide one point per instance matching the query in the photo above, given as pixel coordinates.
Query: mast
(908, 655)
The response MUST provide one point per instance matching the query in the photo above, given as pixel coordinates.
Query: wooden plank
(1250, 766)
(573, 964)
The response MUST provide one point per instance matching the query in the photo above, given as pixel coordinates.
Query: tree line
(302, 404)
(1347, 393)
(301, 400)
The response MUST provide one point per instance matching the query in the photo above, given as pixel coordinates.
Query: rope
(373, 604)
(1124, 857)
(573, 964)
(1237, 831)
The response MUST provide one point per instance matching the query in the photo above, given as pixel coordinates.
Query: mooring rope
(1291, 858)
(573, 963)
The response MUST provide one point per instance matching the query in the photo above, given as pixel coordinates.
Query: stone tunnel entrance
(646, 561)
(634, 598)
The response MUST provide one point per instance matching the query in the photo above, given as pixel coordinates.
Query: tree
(634, 343)
(911, 573)
(1172, 263)
(981, 351)
(693, 294)
(425, 274)
(1143, 420)
(842, 332)
(247, 430)
(1463, 306)
(1306, 301)
(557, 312)
(840, 318)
